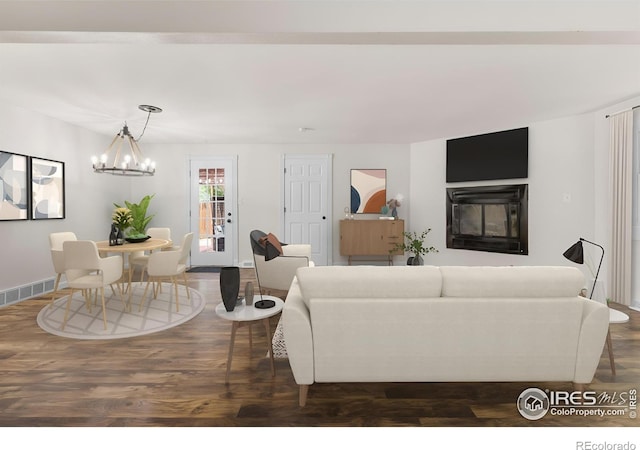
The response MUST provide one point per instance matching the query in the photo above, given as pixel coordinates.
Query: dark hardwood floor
(176, 378)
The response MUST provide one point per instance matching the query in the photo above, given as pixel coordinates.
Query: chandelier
(126, 162)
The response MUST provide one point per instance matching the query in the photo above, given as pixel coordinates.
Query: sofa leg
(580, 387)
(304, 390)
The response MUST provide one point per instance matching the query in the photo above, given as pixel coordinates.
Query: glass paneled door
(213, 211)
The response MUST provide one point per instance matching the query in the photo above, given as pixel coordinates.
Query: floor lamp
(575, 254)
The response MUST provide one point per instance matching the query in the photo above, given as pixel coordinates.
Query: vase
(113, 235)
(417, 261)
(248, 293)
(229, 286)
(120, 238)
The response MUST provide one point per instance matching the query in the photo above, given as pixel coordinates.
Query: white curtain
(635, 257)
(621, 175)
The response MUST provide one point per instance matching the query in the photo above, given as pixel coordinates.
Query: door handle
(228, 220)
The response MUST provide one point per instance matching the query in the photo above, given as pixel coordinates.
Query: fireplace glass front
(488, 218)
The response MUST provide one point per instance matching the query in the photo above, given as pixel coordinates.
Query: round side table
(246, 315)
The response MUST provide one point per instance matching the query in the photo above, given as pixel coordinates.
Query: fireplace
(488, 218)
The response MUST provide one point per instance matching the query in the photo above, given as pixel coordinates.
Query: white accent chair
(141, 258)
(86, 270)
(168, 264)
(279, 272)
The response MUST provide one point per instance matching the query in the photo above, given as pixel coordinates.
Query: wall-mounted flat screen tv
(492, 156)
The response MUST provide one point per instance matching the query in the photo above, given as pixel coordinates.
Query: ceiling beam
(359, 16)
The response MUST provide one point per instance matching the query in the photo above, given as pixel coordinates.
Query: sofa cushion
(369, 282)
(445, 339)
(511, 281)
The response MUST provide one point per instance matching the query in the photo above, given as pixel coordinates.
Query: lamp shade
(575, 253)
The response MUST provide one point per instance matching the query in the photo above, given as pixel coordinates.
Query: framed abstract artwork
(14, 186)
(368, 190)
(47, 187)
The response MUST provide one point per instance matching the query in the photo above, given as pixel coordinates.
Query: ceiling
(347, 72)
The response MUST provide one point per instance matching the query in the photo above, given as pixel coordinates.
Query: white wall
(25, 244)
(567, 156)
(560, 162)
(259, 183)
(89, 197)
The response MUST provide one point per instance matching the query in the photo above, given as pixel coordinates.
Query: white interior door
(307, 204)
(213, 211)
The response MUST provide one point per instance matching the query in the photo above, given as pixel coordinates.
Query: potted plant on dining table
(139, 220)
(120, 221)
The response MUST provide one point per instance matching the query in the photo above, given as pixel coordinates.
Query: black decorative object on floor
(229, 286)
(204, 269)
(417, 261)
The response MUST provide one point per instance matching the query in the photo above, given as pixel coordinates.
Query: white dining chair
(57, 256)
(140, 259)
(86, 270)
(168, 264)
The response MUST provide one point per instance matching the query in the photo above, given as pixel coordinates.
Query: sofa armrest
(593, 333)
(296, 326)
(278, 273)
(297, 250)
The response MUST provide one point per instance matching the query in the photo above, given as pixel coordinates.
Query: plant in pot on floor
(414, 243)
(139, 219)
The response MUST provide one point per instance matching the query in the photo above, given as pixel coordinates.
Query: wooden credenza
(369, 238)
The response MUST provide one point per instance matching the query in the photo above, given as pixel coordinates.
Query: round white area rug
(157, 314)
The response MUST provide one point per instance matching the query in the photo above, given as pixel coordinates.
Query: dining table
(149, 245)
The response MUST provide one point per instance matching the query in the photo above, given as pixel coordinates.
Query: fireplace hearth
(488, 218)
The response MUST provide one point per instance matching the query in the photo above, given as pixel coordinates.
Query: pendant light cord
(145, 126)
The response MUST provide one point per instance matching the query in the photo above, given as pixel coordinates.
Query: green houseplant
(121, 217)
(414, 243)
(139, 219)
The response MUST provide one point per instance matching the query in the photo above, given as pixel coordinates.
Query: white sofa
(441, 324)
